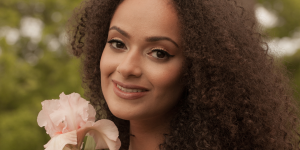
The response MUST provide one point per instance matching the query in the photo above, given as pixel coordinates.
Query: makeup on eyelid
(143, 49)
(116, 42)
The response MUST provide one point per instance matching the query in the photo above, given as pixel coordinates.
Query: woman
(183, 75)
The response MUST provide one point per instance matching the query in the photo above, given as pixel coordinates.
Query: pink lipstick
(128, 91)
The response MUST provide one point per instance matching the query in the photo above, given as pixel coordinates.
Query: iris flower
(70, 118)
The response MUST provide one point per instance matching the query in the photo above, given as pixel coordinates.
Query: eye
(117, 44)
(160, 54)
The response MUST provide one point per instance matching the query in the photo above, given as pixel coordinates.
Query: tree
(288, 12)
(34, 66)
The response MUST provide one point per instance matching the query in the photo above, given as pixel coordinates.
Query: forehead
(149, 17)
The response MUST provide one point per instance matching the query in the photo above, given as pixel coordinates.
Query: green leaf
(90, 143)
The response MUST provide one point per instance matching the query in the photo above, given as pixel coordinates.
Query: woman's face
(142, 61)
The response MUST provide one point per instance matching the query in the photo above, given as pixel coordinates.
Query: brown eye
(117, 44)
(160, 54)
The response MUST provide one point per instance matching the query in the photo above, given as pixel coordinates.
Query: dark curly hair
(236, 95)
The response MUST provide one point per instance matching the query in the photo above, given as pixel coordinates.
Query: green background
(33, 71)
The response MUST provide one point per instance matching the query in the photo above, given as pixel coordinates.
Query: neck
(148, 134)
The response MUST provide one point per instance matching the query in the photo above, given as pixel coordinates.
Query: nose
(130, 66)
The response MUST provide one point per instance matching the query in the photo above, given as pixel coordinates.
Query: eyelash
(161, 50)
(152, 50)
(115, 41)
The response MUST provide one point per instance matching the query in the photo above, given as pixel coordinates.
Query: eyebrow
(148, 39)
(159, 38)
(120, 30)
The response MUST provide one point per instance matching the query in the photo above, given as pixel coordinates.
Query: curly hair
(236, 95)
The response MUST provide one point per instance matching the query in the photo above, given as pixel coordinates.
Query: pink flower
(70, 118)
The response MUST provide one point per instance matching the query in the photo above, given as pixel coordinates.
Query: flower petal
(48, 106)
(58, 142)
(73, 111)
(104, 132)
(43, 119)
(92, 113)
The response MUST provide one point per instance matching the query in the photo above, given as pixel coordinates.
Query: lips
(129, 86)
(128, 91)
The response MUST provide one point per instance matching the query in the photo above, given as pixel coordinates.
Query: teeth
(129, 90)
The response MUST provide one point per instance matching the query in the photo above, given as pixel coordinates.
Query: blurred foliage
(293, 65)
(288, 13)
(33, 70)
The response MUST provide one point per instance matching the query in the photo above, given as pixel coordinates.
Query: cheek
(107, 67)
(167, 88)
(107, 63)
(166, 79)
(166, 76)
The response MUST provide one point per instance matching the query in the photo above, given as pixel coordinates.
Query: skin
(136, 59)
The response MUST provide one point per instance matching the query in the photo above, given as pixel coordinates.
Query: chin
(122, 112)
(128, 114)
(124, 115)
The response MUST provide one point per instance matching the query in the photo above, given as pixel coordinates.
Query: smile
(129, 90)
